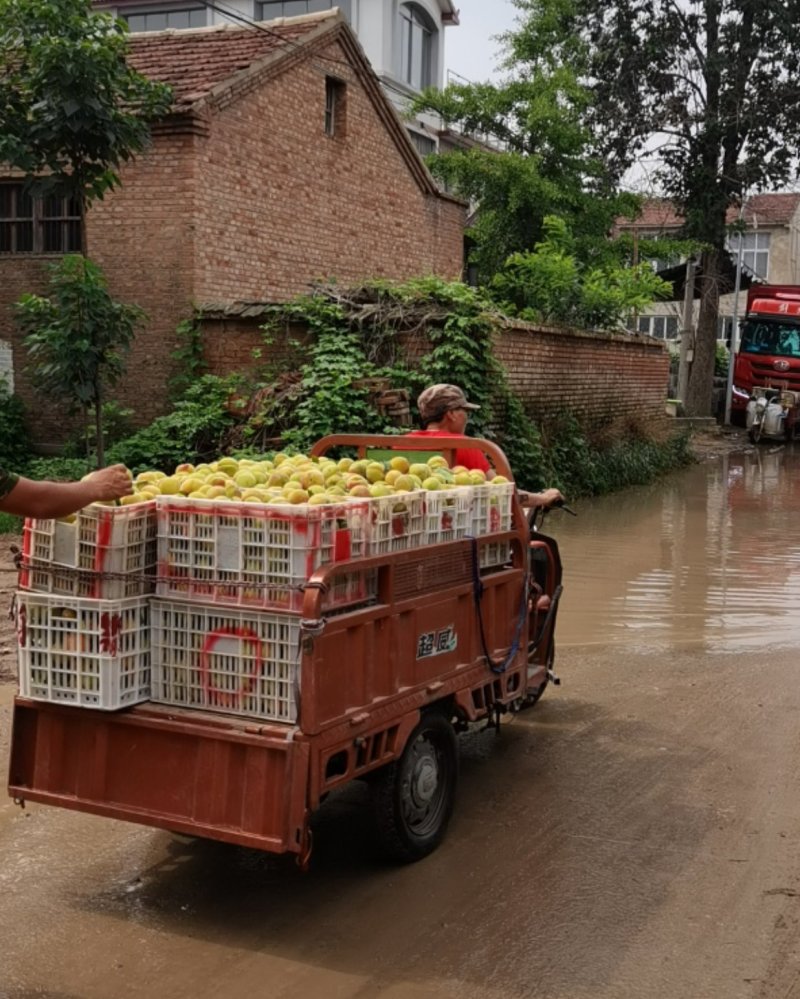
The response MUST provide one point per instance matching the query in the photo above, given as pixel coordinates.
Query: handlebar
(538, 513)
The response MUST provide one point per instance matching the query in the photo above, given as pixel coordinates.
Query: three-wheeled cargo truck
(252, 714)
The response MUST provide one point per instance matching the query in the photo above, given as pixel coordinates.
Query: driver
(444, 411)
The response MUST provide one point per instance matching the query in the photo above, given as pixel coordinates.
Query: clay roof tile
(195, 61)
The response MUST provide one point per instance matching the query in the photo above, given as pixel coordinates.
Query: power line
(249, 22)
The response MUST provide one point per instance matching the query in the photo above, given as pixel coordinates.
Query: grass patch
(10, 524)
(580, 467)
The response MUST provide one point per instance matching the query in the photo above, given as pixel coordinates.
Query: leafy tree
(77, 338)
(715, 84)
(539, 161)
(71, 110)
(14, 442)
(552, 285)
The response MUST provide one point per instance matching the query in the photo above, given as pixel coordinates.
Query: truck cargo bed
(228, 778)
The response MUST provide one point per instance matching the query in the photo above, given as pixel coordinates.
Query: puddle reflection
(710, 555)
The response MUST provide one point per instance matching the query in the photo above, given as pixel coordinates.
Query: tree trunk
(700, 386)
(98, 428)
(87, 440)
(83, 229)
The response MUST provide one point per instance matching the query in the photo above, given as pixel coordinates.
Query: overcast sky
(470, 49)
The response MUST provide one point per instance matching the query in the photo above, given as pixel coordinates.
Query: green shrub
(721, 361)
(9, 524)
(579, 467)
(191, 432)
(59, 469)
(14, 440)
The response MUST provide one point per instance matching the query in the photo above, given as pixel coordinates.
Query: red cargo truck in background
(769, 343)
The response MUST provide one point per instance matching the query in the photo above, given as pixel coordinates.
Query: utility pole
(734, 332)
(686, 355)
(735, 320)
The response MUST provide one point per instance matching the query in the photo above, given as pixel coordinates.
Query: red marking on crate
(494, 520)
(21, 635)
(104, 527)
(234, 697)
(110, 628)
(342, 545)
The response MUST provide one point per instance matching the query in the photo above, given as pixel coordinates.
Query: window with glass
(725, 328)
(424, 143)
(416, 46)
(770, 337)
(334, 106)
(38, 225)
(167, 17)
(755, 253)
(268, 10)
(659, 327)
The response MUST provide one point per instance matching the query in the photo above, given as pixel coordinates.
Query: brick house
(283, 162)
(404, 39)
(770, 253)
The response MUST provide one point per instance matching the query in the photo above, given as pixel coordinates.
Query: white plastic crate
(225, 659)
(396, 522)
(491, 509)
(102, 552)
(90, 653)
(493, 553)
(447, 514)
(252, 555)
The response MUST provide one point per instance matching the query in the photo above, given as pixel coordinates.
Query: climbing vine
(414, 334)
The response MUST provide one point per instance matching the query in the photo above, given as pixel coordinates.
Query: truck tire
(413, 797)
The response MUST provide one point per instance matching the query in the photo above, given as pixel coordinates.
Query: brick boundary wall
(607, 380)
(602, 378)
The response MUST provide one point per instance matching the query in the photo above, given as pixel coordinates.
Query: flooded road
(636, 835)
(711, 556)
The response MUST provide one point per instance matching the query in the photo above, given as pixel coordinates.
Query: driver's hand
(547, 498)
(550, 497)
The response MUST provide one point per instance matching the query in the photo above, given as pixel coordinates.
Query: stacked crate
(491, 514)
(230, 590)
(82, 609)
(221, 632)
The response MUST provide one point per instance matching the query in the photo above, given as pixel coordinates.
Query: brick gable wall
(282, 204)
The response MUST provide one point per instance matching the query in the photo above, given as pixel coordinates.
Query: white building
(770, 254)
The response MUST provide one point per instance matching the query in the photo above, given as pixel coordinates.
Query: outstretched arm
(29, 498)
(546, 498)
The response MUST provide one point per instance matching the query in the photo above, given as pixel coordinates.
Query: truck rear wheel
(413, 797)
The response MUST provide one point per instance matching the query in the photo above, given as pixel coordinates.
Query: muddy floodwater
(635, 836)
(708, 557)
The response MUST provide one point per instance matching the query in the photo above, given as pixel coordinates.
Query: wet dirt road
(636, 835)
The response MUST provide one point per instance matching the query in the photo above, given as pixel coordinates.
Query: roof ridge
(208, 29)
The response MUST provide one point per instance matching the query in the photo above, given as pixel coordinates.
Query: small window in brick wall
(335, 107)
(38, 225)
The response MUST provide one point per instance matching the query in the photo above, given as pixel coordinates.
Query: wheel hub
(424, 780)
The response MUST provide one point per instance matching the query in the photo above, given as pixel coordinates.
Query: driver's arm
(549, 497)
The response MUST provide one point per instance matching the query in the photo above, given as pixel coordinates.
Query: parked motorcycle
(773, 414)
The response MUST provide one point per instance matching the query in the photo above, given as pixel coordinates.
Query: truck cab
(769, 343)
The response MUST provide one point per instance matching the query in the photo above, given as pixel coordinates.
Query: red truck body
(365, 682)
(769, 342)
